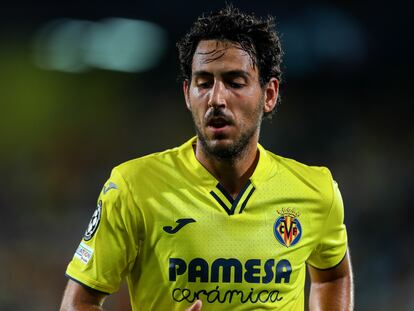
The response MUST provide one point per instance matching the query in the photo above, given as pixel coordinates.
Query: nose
(217, 95)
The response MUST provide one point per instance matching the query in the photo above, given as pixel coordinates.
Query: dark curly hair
(255, 36)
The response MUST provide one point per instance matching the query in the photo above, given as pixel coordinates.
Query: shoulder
(299, 168)
(154, 167)
(311, 177)
(148, 162)
(302, 169)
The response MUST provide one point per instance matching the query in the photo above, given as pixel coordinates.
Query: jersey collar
(266, 167)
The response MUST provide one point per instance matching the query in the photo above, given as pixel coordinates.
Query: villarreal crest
(287, 228)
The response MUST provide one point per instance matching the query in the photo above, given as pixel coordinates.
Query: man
(218, 223)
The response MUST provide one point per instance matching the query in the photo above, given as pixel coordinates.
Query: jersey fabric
(166, 225)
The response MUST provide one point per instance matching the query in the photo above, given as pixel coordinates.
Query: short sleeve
(109, 247)
(332, 245)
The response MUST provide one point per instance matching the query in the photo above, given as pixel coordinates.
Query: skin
(332, 289)
(81, 298)
(227, 104)
(225, 84)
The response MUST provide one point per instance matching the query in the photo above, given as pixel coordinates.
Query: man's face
(225, 98)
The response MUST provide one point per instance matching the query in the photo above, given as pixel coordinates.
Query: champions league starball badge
(94, 223)
(287, 228)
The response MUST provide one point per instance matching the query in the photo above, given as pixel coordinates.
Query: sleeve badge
(94, 223)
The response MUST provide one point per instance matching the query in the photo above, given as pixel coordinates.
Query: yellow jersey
(168, 227)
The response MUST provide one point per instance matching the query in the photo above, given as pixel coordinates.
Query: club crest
(287, 228)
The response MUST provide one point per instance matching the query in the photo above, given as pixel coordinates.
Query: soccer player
(218, 223)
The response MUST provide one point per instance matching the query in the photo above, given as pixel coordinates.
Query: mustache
(214, 114)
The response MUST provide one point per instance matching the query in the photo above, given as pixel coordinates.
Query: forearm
(332, 289)
(80, 298)
(336, 295)
(81, 307)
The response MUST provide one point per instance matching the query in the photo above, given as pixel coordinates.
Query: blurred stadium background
(85, 86)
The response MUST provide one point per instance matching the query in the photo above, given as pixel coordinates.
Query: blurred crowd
(62, 132)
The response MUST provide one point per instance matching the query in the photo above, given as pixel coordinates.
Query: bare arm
(196, 306)
(332, 289)
(81, 298)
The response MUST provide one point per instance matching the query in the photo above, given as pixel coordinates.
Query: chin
(223, 148)
(220, 142)
(221, 145)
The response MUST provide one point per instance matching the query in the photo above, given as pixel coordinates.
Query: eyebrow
(231, 73)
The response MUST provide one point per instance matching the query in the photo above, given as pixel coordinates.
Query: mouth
(218, 123)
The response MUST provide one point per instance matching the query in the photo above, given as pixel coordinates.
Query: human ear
(186, 86)
(270, 95)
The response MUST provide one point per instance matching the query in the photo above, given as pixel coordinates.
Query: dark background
(346, 99)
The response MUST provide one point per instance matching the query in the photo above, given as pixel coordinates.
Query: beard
(230, 152)
(236, 149)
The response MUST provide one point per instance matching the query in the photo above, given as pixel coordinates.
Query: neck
(233, 173)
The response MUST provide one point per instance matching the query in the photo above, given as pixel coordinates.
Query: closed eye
(235, 85)
(204, 85)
